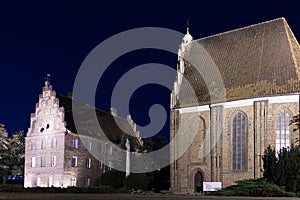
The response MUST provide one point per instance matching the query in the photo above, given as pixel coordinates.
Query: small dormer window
(75, 143)
(88, 163)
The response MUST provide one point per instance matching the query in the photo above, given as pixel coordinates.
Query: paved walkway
(27, 196)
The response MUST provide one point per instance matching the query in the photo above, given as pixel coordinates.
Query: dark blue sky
(40, 37)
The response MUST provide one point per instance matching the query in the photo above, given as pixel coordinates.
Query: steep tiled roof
(255, 61)
(113, 127)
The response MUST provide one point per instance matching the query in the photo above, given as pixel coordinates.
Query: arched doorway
(198, 182)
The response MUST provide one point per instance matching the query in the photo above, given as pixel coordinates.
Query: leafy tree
(296, 121)
(3, 153)
(12, 152)
(16, 149)
(3, 138)
(136, 181)
(288, 166)
(154, 143)
(270, 160)
(113, 178)
(159, 179)
(133, 144)
(283, 170)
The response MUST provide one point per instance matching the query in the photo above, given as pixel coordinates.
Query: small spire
(187, 27)
(47, 78)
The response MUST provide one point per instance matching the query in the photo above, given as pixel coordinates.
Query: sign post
(211, 186)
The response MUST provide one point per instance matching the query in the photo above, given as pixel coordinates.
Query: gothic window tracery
(282, 130)
(239, 142)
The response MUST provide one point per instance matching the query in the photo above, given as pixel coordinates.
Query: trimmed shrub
(99, 189)
(136, 181)
(16, 188)
(122, 190)
(254, 187)
(113, 178)
(11, 188)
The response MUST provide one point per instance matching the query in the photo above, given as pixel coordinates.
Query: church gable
(48, 116)
(255, 61)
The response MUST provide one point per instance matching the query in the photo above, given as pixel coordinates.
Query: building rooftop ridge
(239, 29)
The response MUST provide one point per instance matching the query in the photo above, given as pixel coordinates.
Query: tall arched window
(282, 130)
(239, 142)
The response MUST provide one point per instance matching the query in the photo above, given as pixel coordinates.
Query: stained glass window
(239, 142)
(282, 130)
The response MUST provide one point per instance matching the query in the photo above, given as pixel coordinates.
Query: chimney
(113, 112)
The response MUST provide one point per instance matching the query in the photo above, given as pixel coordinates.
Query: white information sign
(211, 186)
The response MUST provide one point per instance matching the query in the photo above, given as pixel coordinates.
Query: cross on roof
(47, 78)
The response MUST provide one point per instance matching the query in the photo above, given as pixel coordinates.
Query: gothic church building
(259, 66)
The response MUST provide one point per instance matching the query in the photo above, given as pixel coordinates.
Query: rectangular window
(109, 165)
(43, 162)
(73, 182)
(110, 150)
(53, 161)
(50, 181)
(43, 144)
(74, 161)
(53, 143)
(33, 162)
(38, 181)
(33, 145)
(75, 143)
(88, 163)
(88, 182)
(100, 164)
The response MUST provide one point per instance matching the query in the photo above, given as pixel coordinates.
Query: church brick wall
(217, 164)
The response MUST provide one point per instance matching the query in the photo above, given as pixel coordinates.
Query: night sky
(54, 37)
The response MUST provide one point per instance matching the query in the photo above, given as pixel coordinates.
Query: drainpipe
(211, 142)
(254, 128)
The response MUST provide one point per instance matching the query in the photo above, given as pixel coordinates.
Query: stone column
(127, 145)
